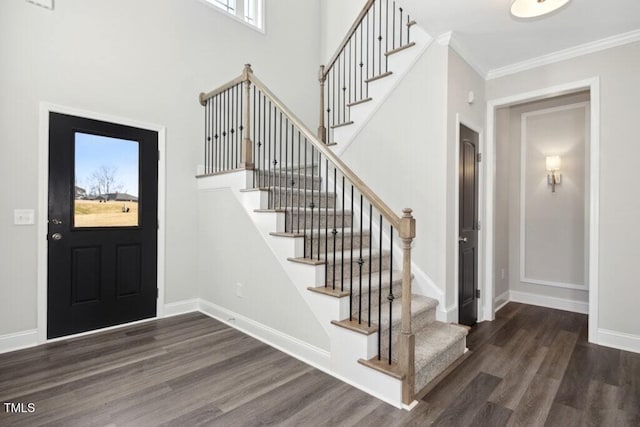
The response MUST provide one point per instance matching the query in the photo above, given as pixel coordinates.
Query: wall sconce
(553, 167)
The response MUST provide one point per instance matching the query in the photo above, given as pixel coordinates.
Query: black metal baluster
(304, 210)
(361, 66)
(326, 219)
(390, 297)
(269, 175)
(386, 38)
(207, 137)
(342, 241)
(360, 263)
(337, 94)
(335, 228)
(373, 43)
(380, 293)
(393, 31)
(408, 28)
(218, 131)
(344, 88)
(227, 141)
(370, 260)
(367, 55)
(287, 179)
(311, 205)
(279, 159)
(233, 131)
(265, 148)
(319, 211)
(328, 100)
(256, 147)
(239, 126)
(380, 37)
(351, 263)
(351, 98)
(400, 26)
(298, 183)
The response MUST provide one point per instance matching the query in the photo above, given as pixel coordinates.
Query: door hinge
(479, 226)
(479, 157)
(477, 293)
(158, 155)
(157, 293)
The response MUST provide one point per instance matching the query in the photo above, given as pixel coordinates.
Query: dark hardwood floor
(531, 366)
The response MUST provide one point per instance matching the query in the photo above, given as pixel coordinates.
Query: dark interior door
(468, 232)
(102, 229)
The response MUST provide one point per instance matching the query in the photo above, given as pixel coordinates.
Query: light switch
(47, 4)
(24, 217)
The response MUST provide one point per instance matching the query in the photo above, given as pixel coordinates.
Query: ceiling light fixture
(535, 8)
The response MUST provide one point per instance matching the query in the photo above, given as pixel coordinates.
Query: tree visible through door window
(249, 11)
(106, 182)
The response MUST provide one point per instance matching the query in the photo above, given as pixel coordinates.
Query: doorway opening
(541, 241)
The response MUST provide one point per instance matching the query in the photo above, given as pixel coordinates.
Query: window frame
(238, 12)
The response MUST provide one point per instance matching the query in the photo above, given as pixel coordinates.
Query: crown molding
(562, 55)
(449, 39)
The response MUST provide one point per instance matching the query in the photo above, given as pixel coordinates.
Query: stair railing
(248, 127)
(381, 29)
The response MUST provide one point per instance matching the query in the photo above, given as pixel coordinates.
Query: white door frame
(43, 207)
(593, 85)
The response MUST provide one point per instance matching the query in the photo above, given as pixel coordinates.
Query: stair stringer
(379, 90)
(346, 347)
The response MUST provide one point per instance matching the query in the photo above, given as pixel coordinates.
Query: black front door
(468, 232)
(102, 224)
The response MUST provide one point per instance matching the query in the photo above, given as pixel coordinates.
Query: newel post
(322, 130)
(407, 341)
(247, 145)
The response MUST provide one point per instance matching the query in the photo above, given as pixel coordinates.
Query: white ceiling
(489, 37)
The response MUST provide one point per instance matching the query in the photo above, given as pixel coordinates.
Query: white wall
(336, 17)
(405, 147)
(142, 60)
(555, 243)
(231, 251)
(618, 70)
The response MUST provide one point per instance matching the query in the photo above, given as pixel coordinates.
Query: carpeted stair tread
(438, 345)
(419, 305)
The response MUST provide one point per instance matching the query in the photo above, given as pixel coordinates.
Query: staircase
(345, 250)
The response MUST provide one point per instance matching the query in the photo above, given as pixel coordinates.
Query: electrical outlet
(239, 287)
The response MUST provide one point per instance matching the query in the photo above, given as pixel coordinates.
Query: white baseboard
(292, 346)
(549, 302)
(181, 307)
(619, 340)
(18, 341)
(504, 297)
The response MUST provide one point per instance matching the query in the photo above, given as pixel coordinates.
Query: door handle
(56, 236)
(462, 239)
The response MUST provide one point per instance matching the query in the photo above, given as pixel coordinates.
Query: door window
(106, 182)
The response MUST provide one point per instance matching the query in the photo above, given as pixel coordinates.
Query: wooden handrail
(406, 228)
(206, 96)
(347, 37)
(363, 188)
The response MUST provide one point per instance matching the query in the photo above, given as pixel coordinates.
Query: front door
(102, 224)
(468, 232)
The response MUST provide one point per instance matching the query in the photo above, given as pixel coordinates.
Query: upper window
(249, 11)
